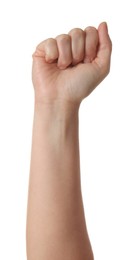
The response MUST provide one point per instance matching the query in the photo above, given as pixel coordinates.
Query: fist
(68, 68)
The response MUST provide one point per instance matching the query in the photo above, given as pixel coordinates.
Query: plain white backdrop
(106, 122)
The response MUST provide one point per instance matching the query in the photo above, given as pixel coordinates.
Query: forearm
(56, 226)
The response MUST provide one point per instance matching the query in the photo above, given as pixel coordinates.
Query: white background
(106, 122)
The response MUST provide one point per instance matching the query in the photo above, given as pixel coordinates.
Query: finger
(47, 49)
(105, 48)
(77, 45)
(91, 44)
(65, 52)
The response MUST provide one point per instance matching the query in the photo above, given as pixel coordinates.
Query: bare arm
(56, 227)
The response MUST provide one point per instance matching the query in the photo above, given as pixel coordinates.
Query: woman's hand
(69, 67)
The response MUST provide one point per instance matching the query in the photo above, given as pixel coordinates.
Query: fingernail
(106, 26)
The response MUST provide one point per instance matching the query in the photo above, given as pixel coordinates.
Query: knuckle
(44, 43)
(50, 50)
(49, 41)
(63, 38)
(44, 47)
(90, 29)
(77, 32)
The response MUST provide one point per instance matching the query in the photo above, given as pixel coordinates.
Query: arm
(56, 227)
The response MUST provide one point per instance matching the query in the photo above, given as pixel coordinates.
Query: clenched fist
(69, 67)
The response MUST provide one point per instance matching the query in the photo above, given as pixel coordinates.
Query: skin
(66, 69)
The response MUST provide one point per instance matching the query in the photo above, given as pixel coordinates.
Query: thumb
(104, 49)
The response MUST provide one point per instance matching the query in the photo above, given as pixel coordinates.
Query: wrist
(56, 110)
(58, 122)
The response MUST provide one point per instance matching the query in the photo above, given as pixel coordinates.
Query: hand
(69, 67)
